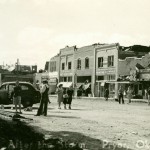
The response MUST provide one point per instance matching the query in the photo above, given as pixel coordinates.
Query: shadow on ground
(91, 143)
(26, 133)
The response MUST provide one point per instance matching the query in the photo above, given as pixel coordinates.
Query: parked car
(29, 95)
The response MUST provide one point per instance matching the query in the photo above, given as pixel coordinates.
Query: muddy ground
(97, 122)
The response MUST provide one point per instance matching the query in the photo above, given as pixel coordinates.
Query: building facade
(106, 68)
(66, 64)
(100, 64)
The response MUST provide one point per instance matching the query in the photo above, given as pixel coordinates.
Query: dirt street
(95, 122)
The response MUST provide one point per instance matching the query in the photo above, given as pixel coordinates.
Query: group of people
(65, 96)
(121, 94)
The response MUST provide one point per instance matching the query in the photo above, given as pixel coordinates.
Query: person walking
(60, 95)
(44, 99)
(148, 96)
(106, 94)
(120, 93)
(129, 94)
(16, 93)
(65, 98)
(70, 93)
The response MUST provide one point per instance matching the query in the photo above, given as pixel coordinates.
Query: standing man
(106, 94)
(120, 93)
(44, 99)
(37, 84)
(70, 93)
(17, 96)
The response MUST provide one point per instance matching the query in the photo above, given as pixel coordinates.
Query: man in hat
(44, 99)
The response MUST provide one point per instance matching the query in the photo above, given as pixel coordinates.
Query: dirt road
(95, 122)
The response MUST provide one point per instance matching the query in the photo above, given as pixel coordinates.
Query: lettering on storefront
(103, 72)
(66, 74)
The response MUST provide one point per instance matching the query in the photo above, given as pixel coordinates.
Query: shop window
(65, 79)
(111, 77)
(69, 65)
(112, 89)
(87, 63)
(100, 62)
(82, 79)
(69, 79)
(110, 61)
(79, 63)
(63, 66)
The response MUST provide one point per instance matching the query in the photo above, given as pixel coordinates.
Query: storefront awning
(65, 84)
(102, 83)
(124, 82)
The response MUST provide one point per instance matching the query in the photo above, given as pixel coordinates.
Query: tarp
(65, 84)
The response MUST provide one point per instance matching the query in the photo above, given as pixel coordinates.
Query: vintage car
(29, 95)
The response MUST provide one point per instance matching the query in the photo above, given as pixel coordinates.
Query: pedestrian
(79, 91)
(120, 93)
(65, 98)
(129, 94)
(106, 94)
(70, 94)
(60, 95)
(37, 85)
(146, 93)
(148, 96)
(16, 94)
(44, 99)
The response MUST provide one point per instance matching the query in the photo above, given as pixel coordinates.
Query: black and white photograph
(74, 74)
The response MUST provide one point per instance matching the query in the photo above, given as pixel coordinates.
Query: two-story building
(100, 64)
(66, 64)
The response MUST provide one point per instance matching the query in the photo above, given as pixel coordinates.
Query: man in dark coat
(44, 99)
(70, 93)
(106, 94)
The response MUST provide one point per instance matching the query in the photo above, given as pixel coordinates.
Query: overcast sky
(35, 30)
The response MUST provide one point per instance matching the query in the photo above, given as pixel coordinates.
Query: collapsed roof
(136, 48)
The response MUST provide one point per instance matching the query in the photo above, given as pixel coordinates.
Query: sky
(35, 30)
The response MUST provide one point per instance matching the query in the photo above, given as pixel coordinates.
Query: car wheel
(27, 104)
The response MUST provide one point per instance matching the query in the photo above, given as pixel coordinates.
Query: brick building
(99, 64)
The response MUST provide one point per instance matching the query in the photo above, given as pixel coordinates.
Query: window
(110, 77)
(69, 65)
(24, 87)
(86, 62)
(100, 78)
(110, 61)
(63, 66)
(100, 62)
(65, 79)
(79, 63)
(69, 79)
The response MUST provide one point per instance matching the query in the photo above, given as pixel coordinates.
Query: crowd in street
(65, 96)
(129, 93)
